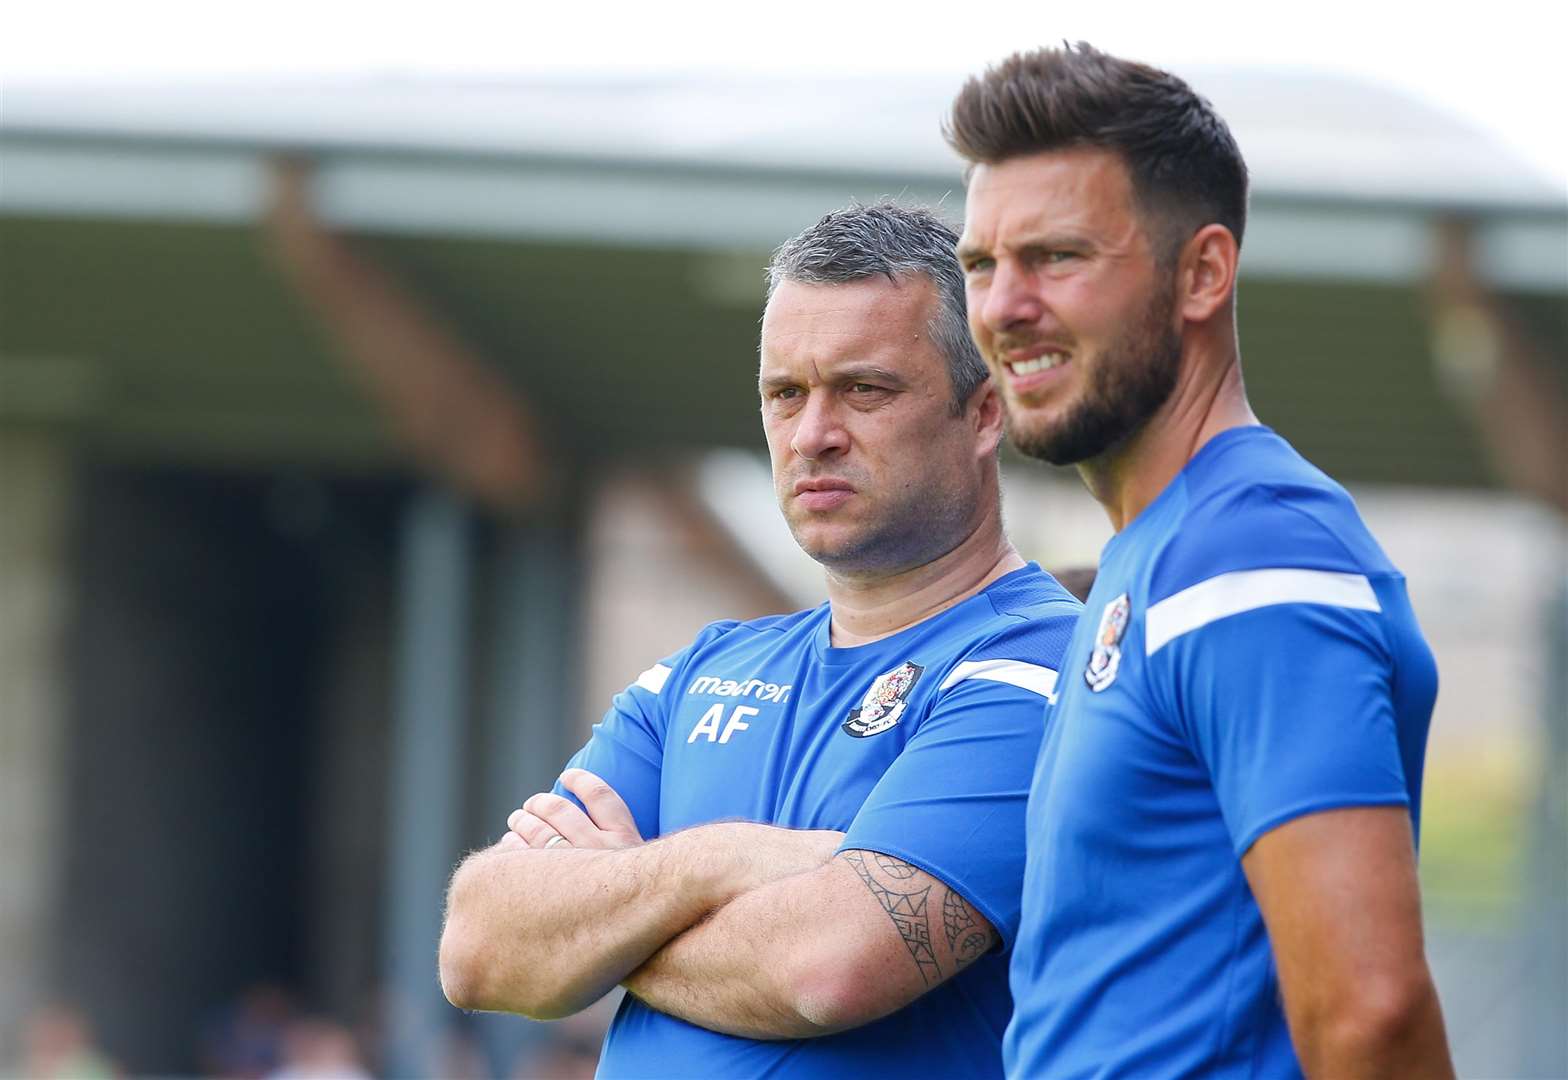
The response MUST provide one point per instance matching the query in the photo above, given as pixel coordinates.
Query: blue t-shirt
(1247, 655)
(919, 746)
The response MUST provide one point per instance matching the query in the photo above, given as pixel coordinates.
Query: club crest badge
(1107, 655)
(884, 703)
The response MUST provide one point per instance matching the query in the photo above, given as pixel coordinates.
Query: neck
(1209, 398)
(867, 609)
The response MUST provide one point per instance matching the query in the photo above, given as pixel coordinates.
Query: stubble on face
(908, 459)
(907, 528)
(1125, 385)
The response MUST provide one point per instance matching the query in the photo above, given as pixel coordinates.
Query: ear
(1206, 273)
(989, 417)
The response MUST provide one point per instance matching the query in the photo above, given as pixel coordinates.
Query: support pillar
(429, 719)
(530, 720)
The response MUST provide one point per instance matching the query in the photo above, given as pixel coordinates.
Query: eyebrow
(965, 251)
(850, 373)
(870, 373)
(1041, 241)
(1060, 238)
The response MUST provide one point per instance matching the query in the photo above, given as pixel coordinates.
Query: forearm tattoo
(889, 881)
(964, 936)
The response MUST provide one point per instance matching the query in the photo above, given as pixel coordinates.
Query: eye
(978, 264)
(864, 388)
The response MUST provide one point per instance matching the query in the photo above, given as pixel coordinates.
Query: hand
(544, 817)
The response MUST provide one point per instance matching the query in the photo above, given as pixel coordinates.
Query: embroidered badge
(1107, 655)
(884, 703)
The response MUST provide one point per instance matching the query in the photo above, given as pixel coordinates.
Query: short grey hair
(895, 242)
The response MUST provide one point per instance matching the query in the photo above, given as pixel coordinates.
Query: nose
(1011, 299)
(818, 431)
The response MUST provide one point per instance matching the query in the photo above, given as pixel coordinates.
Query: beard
(1133, 377)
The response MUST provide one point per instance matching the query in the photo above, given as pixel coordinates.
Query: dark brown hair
(1186, 169)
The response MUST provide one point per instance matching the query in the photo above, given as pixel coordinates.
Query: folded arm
(818, 952)
(868, 933)
(546, 933)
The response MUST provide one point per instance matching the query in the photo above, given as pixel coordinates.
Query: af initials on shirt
(709, 724)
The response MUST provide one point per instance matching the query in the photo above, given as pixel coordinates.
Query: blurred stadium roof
(602, 240)
(1307, 137)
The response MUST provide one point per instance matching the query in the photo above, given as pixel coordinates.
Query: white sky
(1502, 64)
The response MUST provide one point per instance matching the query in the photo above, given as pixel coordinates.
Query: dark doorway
(227, 666)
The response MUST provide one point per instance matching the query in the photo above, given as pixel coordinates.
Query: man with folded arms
(832, 801)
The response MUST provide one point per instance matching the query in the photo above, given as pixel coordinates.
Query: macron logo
(754, 688)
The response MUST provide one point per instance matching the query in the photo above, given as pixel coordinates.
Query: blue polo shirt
(919, 746)
(1247, 655)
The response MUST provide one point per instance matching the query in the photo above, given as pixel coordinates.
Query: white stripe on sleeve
(1040, 680)
(654, 678)
(1244, 590)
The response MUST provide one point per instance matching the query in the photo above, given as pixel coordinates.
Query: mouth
(822, 493)
(1031, 370)
(1043, 362)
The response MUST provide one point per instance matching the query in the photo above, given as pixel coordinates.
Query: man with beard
(1226, 803)
(838, 794)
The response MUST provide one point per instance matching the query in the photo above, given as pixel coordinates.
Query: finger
(535, 832)
(605, 805)
(510, 839)
(565, 817)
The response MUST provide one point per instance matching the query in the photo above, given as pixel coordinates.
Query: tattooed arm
(545, 933)
(904, 891)
(818, 952)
